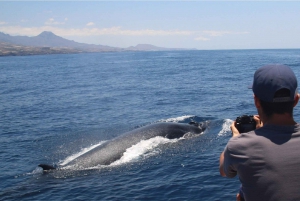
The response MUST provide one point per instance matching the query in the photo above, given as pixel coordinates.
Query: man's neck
(280, 119)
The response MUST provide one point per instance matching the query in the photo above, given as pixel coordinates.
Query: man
(267, 160)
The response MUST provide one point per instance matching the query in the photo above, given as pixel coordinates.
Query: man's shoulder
(243, 137)
(243, 142)
(277, 129)
(262, 137)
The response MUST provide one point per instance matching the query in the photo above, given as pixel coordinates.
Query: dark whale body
(113, 150)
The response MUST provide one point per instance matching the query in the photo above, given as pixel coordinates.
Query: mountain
(49, 39)
(9, 49)
(49, 43)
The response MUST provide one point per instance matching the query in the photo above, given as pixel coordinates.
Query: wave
(139, 151)
(143, 149)
(225, 127)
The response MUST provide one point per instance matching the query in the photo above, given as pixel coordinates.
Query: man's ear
(296, 99)
(257, 102)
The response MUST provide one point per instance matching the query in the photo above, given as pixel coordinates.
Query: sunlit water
(55, 108)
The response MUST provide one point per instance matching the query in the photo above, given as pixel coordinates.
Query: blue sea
(56, 107)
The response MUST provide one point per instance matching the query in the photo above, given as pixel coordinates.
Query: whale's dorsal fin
(46, 167)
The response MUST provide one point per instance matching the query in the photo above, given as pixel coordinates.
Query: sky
(205, 25)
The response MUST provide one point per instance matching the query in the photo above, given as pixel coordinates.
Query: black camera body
(245, 123)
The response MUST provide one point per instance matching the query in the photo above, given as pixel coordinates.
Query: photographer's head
(275, 90)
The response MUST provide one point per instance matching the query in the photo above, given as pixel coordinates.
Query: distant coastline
(8, 49)
(49, 43)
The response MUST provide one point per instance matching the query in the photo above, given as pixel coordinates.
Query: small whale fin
(47, 167)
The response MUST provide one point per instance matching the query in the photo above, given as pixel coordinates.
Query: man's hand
(258, 121)
(234, 130)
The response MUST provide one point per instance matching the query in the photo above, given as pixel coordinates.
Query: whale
(113, 149)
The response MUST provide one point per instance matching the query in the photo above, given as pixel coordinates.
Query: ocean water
(56, 107)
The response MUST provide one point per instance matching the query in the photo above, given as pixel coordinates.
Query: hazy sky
(181, 24)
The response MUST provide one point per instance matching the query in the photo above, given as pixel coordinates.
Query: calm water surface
(56, 106)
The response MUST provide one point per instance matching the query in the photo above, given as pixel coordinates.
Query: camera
(245, 123)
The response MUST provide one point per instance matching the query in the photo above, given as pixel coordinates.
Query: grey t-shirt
(267, 162)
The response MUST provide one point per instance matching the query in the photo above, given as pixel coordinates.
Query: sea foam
(225, 127)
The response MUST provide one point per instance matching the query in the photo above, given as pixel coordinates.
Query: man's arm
(235, 133)
(221, 166)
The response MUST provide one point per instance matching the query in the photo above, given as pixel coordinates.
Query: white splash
(82, 151)
(225, 127)
(144, 148)
(177, 119)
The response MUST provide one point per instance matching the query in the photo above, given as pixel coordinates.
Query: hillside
(9, 49)
(49, 43)
(48, 39)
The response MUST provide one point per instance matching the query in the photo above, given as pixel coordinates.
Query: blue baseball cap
(271, 78)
